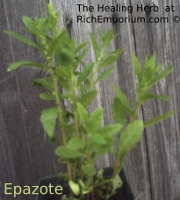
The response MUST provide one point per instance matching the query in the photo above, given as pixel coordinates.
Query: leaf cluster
(82, 137)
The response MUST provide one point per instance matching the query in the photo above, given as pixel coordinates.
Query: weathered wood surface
(153, 167)
(25, 154)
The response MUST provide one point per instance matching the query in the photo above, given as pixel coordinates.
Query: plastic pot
(123, 193)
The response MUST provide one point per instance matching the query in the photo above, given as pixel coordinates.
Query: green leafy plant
(82, 138)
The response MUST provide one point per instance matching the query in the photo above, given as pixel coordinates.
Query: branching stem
(60, 119)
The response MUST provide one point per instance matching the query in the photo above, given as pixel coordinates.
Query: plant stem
(92, 183)
(135, 112)
(72, 86)
(102, 183)
(61, 119)
(58, 104)
(132, 118)
(95, 70)
(115, 168)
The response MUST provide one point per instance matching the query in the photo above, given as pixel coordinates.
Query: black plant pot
(123, 193)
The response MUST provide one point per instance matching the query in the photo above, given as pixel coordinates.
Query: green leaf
(160, 76)
(76, 143)
(148, 74)
(151, 62)
(160, 118)
(119, 111)
(122, 97)
(117, 183)
(101, 35)
(129, 137)
(109, 36)
(110, 130)
(88, 84)
(79, 58)
(48, 120)
(85, 73)
(65, 57)
(82, 92)
(152, 96)
(30, 24)
(52, 21)
(105, 74)
(113, 56)
(17, 64)
(27, 21)
(22, 39)
(82, 112)
(67, 153)
(46, 96)
(87, 169)
(71, 44)
(95, 120)
(74, 187)
(100, 149)
(63, 176)
(94, 44)
(56, 41)
(40, 25)
(87, 98)
(150, 68)
(63, 82)
(46, 82)
(137, 67)
(97, 138)
(158, 67)
(66, 116)
(63, 72)
(80, 47)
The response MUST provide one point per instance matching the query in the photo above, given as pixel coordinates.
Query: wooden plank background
(153, 167)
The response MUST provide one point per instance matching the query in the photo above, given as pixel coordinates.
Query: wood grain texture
(153, 167)
(162, 139)
(25, 155)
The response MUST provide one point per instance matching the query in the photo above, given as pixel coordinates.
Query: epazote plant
(82, 138)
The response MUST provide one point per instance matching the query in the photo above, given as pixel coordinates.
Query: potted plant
(81, 135)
